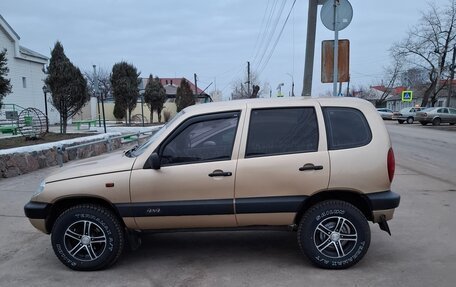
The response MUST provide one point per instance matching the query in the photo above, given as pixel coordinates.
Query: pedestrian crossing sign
(407, 96)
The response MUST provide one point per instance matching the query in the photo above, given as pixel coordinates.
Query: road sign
(407, 96)
(327, 61)
(344, 14)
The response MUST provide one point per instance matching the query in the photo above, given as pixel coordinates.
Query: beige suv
(321, 167)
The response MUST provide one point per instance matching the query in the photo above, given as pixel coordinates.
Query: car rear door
(283, 159)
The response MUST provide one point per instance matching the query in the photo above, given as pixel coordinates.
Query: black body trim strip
(37, 210)
(272, 204)
(383, 200)
(176, 208)
(269, 204)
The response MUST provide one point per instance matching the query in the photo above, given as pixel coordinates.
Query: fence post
(60, 150)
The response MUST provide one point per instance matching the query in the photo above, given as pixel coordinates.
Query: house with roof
(26, 75)
(142, 110)
(395, 102)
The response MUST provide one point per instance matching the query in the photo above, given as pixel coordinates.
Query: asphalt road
(421, 251)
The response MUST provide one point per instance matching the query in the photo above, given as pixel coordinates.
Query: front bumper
(37, 210)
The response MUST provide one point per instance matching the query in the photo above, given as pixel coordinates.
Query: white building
(26, 74)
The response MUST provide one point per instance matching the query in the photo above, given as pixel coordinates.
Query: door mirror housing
(153, 161)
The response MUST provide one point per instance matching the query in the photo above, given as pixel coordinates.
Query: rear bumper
(383, 204)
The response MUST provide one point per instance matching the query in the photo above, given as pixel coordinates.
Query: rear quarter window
(346, 128)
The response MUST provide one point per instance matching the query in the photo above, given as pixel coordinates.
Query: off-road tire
(334, 223)
(93, 230)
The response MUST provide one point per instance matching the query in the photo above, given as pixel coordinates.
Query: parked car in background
(386, 114)
(406, 115)
(436, 116)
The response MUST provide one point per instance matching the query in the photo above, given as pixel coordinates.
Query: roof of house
(171, 85)
(21, 51)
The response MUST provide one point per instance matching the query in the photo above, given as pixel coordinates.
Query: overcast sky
(212, 38)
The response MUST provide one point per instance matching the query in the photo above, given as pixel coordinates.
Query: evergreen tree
(155, 97)
(67, 84)
(119, 111)
(5, 84)
(184, 96)
(125, 81)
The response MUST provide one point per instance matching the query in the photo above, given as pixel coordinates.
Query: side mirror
(153, 161)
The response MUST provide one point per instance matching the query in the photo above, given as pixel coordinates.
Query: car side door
(194, 186)
(283, 159)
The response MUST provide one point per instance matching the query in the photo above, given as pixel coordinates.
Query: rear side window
(282, 131)
(346, 128)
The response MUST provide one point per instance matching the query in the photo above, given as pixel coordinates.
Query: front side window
(282, 131)
(442, 111)
(202, 140)
(346, 128)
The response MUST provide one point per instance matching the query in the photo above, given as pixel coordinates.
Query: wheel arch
(357, 199)
(67, 202)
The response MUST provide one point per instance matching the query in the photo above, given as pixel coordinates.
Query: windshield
(140, 149)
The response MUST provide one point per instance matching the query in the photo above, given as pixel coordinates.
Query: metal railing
(107, 140)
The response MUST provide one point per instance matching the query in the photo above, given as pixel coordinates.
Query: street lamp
(45, 91)
(292, 84)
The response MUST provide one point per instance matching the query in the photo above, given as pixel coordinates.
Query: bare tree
(428, 44)
(104, 83)
(240, 89)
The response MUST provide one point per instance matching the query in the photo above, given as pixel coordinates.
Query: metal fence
(108, 141)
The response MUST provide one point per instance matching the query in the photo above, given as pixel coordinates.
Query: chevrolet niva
(322, 167)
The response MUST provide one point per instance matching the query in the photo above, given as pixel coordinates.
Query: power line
(277, 40)
(265, 31)
(271, 33)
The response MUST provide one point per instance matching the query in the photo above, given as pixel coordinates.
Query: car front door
(283, 159)
(194, 186)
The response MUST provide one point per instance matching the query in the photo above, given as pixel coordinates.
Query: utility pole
(248, 78)
(95, 85)
(196, 84)
(450, 89)
(310, 47)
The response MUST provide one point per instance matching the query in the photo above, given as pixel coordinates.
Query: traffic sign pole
(336, 50)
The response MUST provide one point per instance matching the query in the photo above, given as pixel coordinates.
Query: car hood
(110, 163)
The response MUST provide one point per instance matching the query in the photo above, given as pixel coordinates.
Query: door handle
(220, 173)
(310, 166)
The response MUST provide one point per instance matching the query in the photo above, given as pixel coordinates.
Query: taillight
(391, 164)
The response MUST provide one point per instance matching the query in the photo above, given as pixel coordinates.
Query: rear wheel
(87, 237)
(400, 121)
(436, 122)
(410, 120)
(334, 234)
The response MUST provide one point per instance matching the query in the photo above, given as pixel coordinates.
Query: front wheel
(410, 120)
(436, 122)
(334, 234)
(87, 237)
(400, 121)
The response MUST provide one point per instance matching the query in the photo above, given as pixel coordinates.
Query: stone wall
(19, 163)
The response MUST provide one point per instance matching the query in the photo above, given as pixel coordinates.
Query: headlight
(40, 188)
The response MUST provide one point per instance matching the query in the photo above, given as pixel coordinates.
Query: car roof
(237, 104)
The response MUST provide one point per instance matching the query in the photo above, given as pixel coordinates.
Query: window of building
(24, 82)
(282, 131)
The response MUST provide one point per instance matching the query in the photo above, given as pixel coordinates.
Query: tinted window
(346, 128)
(281, 131)
(199, 141)
(443, 111)
(452, 111)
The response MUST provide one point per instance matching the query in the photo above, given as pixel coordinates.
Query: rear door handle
(220, 173)
(310, 166)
